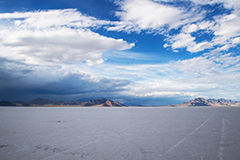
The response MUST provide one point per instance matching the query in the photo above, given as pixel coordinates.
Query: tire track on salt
(184, 138)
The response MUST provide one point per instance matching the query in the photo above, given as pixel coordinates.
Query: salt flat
(120, 133)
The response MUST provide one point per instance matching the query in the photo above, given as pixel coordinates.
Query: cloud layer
(187, 23)
(56, 36)
(20, 80)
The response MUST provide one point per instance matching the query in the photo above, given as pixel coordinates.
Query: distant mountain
(46, 102)
(95, 102)
(39, 102)
(102, 102)
(6, 103)
(109, 103)
(209, 102)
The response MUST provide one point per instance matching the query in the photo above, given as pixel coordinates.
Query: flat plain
(161, 133)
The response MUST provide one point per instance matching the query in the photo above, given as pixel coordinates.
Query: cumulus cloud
(186, 40)
(158, 17)
(138, 15)
(225, 29)
(56, 36)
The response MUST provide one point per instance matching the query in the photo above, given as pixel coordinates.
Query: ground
(120, 133)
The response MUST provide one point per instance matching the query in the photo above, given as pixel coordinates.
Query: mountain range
(46, 102)
(209, 102)
(109, 103)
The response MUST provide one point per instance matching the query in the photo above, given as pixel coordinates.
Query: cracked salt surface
(119, 133)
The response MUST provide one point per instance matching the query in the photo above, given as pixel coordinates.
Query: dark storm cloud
(13, 86)
(78, 84)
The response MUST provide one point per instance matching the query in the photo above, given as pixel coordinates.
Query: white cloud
(197, 67)
(211, 77)
(157, 17)
(52, 18)
(228, 61)
(205, 25)
(225, 30)
(196, 47)
(227, 3)
(56, 36)
(183, 40)
(137, 15)
(236, 40)
(190, 28)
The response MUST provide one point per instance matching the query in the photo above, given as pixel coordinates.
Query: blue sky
(148, 52)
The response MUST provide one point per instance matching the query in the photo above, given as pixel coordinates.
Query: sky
(137, 52)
